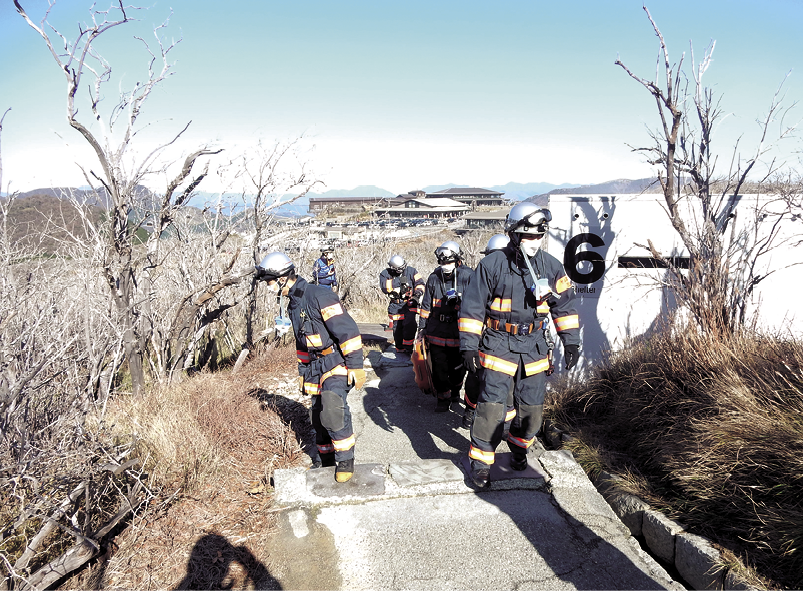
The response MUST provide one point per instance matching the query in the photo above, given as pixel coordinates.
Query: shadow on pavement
(397, 404)
(571, 551)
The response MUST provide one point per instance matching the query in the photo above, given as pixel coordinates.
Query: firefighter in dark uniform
(504, 328)
(405, 287)
(329, 350)
(496, 242)
(438, 325)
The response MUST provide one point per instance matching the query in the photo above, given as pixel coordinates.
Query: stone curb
(697, 561)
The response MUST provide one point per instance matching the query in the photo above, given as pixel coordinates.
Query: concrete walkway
(411, 519)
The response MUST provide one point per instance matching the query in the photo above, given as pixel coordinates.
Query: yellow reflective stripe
(497, 364)
(486, 457)
(333, 310)
(543, 308)
(502, 305)
(311, 388)
(535, 367)
(567, 322)
(344, 444)
(563, 284)
(389, 285)
(395, 316)
(469, 325)
(424, 313)
(510, 415)
(303, 356)
(436, 302)
(417, 276)
(337, 370)
(525, 443)
(351, 345)
(314, 340)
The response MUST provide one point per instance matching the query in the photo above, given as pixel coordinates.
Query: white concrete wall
(616, 303)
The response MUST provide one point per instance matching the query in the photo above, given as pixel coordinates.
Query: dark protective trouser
(528, 401)
(448, 370)
(331, 418)
(404, 330)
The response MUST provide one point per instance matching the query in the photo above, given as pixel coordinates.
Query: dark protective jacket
(501, 317)
(323, 272)
(401, 288)
(438, 315)
(327, 339)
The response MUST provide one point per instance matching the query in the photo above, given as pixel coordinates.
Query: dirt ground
(217, 535)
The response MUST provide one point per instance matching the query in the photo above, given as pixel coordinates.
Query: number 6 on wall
(571, 258)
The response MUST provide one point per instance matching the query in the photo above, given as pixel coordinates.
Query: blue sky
(404, 95)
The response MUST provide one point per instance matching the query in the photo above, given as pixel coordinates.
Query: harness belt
(322, 353)
(515, 329)
(447, 318)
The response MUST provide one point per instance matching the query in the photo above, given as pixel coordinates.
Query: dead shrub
(714, 428)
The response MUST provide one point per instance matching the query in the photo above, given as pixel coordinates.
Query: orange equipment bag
(422, 367)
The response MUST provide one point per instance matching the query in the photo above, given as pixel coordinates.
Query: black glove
(471, 360)
(572, 355)
(394, 295)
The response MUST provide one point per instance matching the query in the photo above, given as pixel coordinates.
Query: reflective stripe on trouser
(488, 428)
(404, 329)
(472, 393)
(331, 418)
(447, 369)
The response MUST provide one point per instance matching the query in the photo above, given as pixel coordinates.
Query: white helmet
(527, 218)
(448, 252)
(397, 264)
(496, 242)
(274, 265)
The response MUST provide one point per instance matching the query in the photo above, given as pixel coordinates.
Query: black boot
(323, 461)
(468, 417)
(480, 474)
(443, 405)
(518, 461)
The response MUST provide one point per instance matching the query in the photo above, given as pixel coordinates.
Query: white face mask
(273, 287)
(448, 268)
(529, 246)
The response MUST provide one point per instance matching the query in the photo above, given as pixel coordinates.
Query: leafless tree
(118, 178)
(727, 255)
(270, 172)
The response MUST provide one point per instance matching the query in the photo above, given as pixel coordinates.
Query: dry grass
(710, 432)
(212, 444)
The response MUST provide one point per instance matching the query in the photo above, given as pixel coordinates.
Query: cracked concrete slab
(544, 528)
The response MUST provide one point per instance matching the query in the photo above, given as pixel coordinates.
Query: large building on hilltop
(473, 197)
(407, 206)
(346, 204)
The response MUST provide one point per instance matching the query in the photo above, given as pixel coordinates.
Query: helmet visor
(535, 224)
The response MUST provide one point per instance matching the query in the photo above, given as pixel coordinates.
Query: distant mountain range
(537, 192)
(618, 186)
